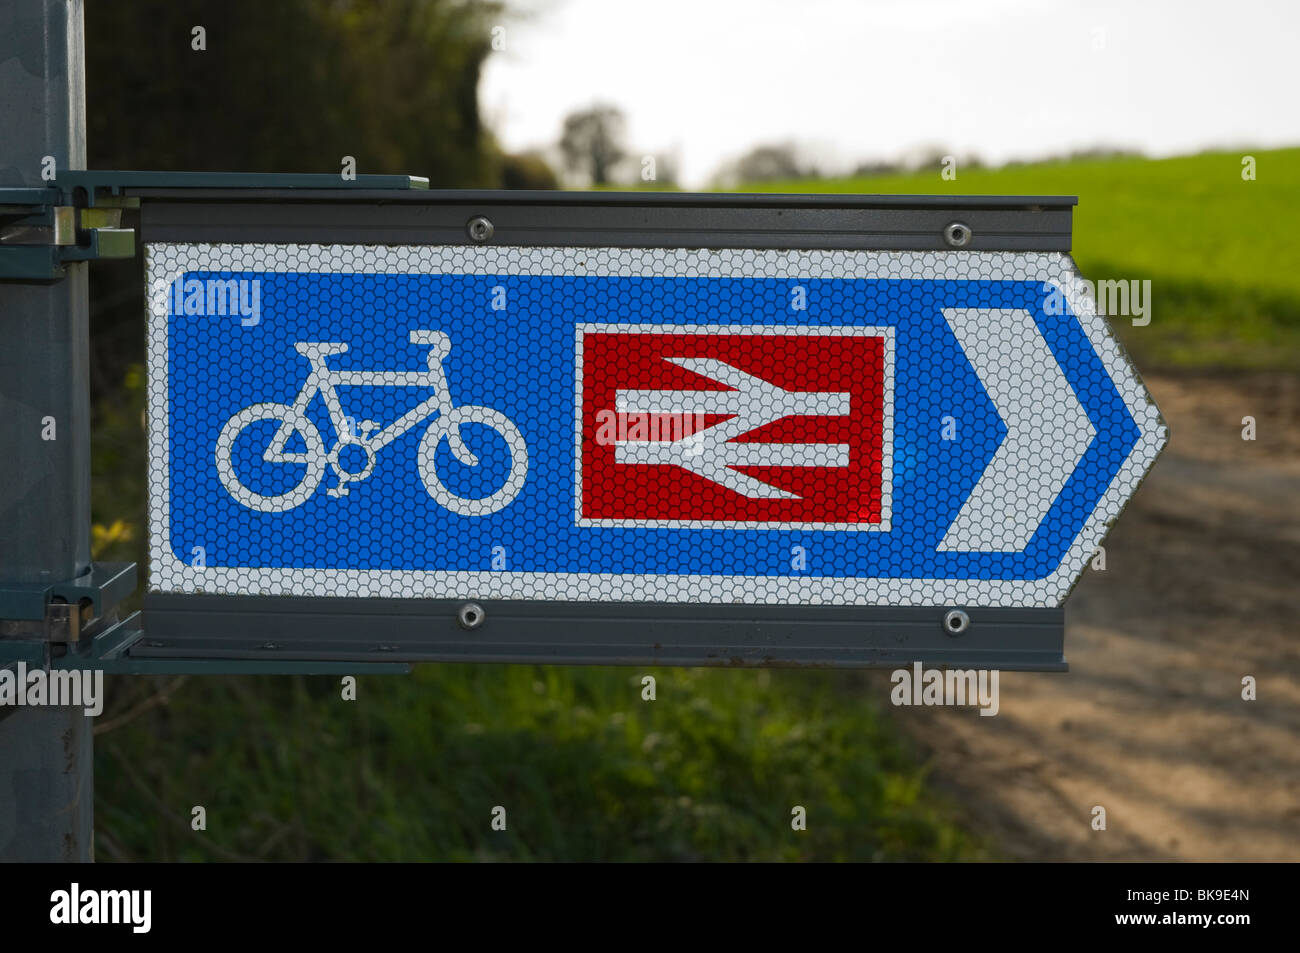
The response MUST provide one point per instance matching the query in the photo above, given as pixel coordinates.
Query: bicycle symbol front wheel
(447, 426)
(314, 457)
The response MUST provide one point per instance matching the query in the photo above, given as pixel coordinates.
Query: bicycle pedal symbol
(368, 435)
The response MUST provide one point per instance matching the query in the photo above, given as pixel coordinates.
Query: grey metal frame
(604, 219)
(181, 626)
(301, 630)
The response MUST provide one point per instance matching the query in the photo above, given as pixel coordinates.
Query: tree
(592, 142)
(767, 163)
(527, 170)
(283, 86)
(290, 86)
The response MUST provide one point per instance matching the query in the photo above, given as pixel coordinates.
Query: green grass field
(585, 769)
(1217, 249)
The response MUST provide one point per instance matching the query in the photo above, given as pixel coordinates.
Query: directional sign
(616, 426)
(359, 419)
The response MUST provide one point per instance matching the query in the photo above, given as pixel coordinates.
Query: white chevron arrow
(752, 403)
(1048, 430)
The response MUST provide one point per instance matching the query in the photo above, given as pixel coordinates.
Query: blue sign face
(634, 425)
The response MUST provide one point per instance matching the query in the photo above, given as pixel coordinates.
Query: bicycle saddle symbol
(446, 421)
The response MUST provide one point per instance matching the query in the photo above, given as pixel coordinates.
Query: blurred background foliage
(283, 86)
(291, 86)
(411, 770)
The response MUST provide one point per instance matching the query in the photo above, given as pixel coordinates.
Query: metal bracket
(61, 611)
(65, 620)
(91, 188)
(41, 231)
(110, 651)
(78, 217)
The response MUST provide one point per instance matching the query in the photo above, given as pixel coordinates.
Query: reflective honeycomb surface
(738, 426)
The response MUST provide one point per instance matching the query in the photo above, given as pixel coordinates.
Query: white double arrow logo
(751, 403)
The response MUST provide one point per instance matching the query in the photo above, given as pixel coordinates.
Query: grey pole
(46, 764)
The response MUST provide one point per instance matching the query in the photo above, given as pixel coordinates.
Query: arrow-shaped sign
(751, 403)
(799, 464)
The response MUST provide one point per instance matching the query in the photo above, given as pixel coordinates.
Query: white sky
(873, 79)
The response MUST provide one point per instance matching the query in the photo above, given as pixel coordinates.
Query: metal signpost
(389, 425)
(45, 753)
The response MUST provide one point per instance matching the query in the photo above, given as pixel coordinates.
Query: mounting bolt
(471, 615)
(955, 622)
(957, 234)
(480, 228)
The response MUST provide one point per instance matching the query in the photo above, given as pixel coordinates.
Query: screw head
(470, 615)
(955, 622)
(957, 234)
(480, 228)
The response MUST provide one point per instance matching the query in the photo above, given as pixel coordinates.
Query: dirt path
(1202, 587)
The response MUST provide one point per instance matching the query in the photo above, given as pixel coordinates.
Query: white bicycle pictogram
(369, 435)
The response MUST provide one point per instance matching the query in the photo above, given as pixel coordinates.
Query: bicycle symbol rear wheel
(447, 425)
(314, 457)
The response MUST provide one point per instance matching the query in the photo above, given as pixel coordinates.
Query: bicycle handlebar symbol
(368, 435)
